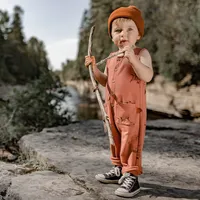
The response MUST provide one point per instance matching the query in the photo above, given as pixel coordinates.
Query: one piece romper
(125, 105)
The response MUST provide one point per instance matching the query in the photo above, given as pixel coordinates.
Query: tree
(172, 33)
(4, 25)
(16, 31)
(83, 37)
(25, 64)
(20, 61)
(38, 55)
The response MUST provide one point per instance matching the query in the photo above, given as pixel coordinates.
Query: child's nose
(124, 33)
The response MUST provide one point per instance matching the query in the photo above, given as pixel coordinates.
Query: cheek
(115, 38)
(133, 36)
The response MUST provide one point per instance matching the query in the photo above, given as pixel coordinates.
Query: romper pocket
(126, 113)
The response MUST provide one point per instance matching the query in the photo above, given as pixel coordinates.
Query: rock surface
(46, 185)
(6, 173)
(72, 155)
(162, 96)
(183, 102)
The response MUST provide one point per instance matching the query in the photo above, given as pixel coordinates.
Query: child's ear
(138, 37)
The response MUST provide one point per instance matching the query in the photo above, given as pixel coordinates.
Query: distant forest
(20, 61)
(172, 36)
(26, 82)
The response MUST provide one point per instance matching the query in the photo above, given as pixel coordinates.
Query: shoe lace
(127, 180)
(114, 171)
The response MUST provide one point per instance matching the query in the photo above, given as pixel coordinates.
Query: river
(80, 108)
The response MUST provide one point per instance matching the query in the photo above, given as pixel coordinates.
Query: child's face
(124, 32)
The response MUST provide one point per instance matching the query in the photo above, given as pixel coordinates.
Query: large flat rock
(171, 160)
(6, 173)
(45, 185)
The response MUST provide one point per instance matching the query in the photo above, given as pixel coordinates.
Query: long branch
(96, 89)
(111, 56)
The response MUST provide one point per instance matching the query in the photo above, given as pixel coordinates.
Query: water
(76, 107)
(81, 109)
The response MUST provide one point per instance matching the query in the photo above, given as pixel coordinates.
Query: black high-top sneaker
(129, 186)
(112, 176)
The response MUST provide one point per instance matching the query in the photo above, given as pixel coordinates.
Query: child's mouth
(123, 41)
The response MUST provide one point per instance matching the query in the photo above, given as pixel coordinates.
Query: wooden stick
(96, 89)
(113, 55)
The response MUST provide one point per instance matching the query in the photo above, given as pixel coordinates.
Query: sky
(55, 22)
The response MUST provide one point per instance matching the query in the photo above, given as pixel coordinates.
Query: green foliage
(20, 61)
(4, 27)
(68, 71)
(30, 109)
(16, 26)
(25, 63)
(172, 32)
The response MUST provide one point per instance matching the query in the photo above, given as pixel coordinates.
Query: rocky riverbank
(66, 158)
(162, 96)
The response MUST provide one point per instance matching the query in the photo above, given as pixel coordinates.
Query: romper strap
(138, 50)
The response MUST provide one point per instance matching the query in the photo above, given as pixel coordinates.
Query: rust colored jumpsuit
(125, 105)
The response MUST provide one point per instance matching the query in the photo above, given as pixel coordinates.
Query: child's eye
(118, 30)
(130, 29)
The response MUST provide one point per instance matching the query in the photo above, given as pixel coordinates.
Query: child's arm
(142, 66)
(98, 75)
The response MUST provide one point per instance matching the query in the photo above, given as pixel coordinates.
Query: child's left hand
(129, 53)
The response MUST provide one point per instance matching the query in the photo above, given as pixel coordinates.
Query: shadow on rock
(165, 191)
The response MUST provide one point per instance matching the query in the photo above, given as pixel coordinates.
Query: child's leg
(132, 140)
(115, 149)
(115, 173)
(129, 155)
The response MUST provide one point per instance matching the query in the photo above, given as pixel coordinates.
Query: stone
(6, 173)
(70, 156)
(45, 185)
(171, 158)
(162, 96)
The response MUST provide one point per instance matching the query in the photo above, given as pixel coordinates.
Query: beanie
(130, 12)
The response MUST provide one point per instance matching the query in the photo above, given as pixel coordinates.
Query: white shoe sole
(123, 194)
(103, 180)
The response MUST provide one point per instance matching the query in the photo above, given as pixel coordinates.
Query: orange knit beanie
(130, 12)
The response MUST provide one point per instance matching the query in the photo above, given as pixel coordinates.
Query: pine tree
(37, 54)
(4, 25)
(16, 32)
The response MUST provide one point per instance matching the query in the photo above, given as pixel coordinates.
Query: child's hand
(90, 60)
(129, 53)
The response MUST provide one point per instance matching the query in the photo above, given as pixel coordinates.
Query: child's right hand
(90, 60)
